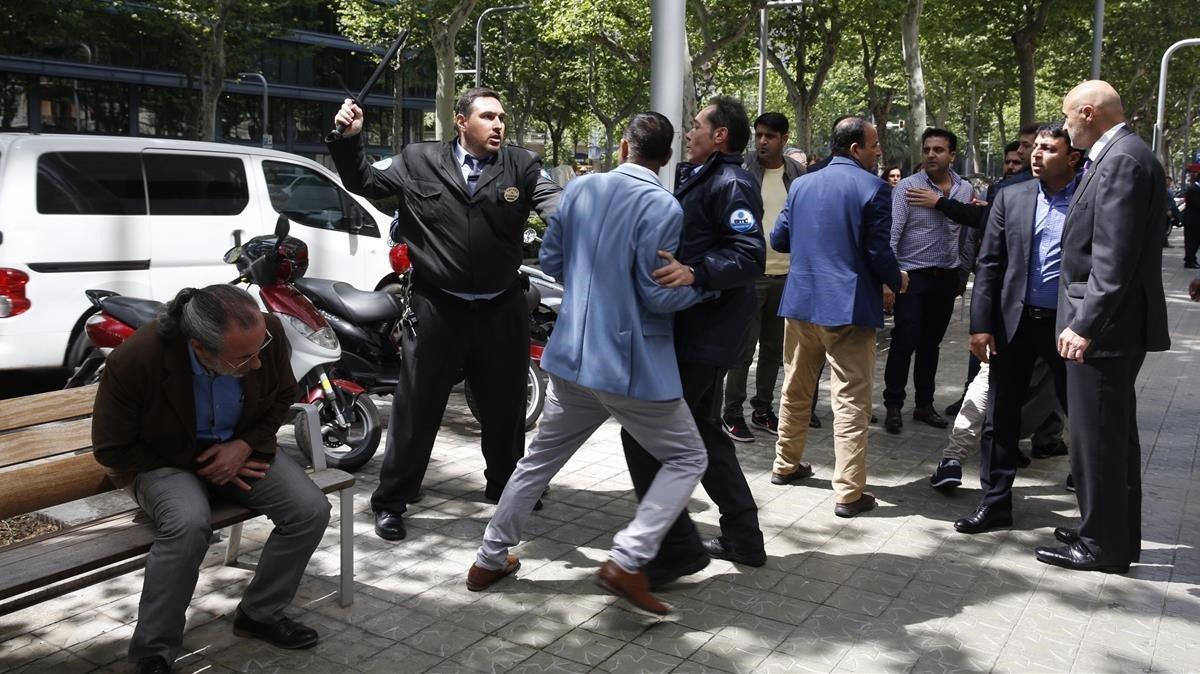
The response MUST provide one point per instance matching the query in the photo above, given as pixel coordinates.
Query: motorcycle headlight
(323, 337)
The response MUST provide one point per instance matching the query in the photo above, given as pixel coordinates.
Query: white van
(148, 216)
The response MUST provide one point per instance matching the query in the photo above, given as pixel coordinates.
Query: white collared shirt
(460, 156)
(1098, 146)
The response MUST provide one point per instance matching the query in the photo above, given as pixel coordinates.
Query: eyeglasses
(246, 362)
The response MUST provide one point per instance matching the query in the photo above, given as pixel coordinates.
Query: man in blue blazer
(612, 354)
(840, 219)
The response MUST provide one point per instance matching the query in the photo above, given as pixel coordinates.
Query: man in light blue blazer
(612, 354)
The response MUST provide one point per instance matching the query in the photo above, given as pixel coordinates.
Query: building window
(84, 106)
(14, 104)
(166, 112)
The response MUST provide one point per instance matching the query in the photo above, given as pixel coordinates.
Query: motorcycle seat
(346, 301)
(132, 311)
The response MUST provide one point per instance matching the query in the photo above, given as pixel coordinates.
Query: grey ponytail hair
(205, 314)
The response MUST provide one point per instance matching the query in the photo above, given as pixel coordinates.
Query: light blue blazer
(615, 329)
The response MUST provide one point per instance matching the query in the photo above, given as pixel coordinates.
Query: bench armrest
(311, 418)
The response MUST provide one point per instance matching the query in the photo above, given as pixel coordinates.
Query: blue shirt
(1045, 251)
(218, 402)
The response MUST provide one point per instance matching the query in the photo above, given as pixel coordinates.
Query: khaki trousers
(850, 351)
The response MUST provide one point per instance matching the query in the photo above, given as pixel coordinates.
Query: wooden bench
(46, 460)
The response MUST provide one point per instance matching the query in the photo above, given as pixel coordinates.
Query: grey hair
(206, 314)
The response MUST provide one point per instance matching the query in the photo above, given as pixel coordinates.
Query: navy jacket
(723, 242)
(837, 226)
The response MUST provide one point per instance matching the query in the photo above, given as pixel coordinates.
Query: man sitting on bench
(187, 410)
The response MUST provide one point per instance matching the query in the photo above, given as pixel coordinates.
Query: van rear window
(196, 185)
(90, 183)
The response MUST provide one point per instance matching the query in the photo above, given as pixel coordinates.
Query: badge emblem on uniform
(741, 221)
(512, 194)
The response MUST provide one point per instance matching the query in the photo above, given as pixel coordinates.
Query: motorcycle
(370, 326)
(350, 424)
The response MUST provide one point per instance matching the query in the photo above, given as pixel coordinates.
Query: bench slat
(33, 486)
(37, 562)
(45, 407)
(45, 440)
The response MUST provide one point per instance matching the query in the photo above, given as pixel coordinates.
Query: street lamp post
(666, 68)
(1097, 38)
(478, 69)
(266, 133)
(1162, 95)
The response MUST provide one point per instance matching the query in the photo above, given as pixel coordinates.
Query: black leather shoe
(390, 526)
(284, 633)
(930, 416)
(863, 504)
(1046, 451)
(1065, 535)
(155, 664)
(953, 408)
(1023, 459)
(1077, 557)
(985, 517)
(718, 548)
(893, 422)
(662, 574)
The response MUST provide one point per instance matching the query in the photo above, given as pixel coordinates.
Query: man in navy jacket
(722, 249)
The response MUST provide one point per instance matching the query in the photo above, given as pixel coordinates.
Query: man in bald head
(1111, 312)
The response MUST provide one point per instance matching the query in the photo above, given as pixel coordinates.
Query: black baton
(339, 128)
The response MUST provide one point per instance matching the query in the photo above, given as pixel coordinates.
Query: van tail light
(12, 292)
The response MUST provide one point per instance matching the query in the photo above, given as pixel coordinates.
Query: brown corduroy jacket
(145, 413)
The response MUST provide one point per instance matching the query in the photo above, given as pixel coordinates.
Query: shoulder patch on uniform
(742, 221)
(383, 164)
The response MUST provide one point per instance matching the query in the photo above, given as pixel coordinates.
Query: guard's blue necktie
(475, 166)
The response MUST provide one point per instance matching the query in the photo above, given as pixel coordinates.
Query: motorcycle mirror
(531, 236)
(282, 227)
(232, 255)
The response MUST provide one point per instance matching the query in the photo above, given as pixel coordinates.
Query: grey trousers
(178, 503)
(572, 413)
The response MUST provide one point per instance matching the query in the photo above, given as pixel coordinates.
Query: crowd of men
(668, 296)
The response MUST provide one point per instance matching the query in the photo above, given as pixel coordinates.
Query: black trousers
(1191, 238)
(1010, 372)
(723, 480)
(921, 316)
(1106, 455)
(488, 341)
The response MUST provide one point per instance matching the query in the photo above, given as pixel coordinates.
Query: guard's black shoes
(930, 416)
(390, 526)
(893, 422)
(1065, 535)
(1053, 449)
(155, 664)
(985, 517)
(284, 633)
(719, 548)
(660, 575)
(1077, 557)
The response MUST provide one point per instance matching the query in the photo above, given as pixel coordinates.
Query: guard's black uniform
(723, 241)
(467, 244)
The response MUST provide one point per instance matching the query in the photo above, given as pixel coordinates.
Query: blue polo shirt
(1045, 252)
(218, 402)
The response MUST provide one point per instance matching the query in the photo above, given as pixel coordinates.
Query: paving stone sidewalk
(894, 590)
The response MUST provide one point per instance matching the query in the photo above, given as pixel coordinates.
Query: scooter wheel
(362, 438)
(535, 396)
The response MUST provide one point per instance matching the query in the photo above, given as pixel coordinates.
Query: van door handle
(237, 236)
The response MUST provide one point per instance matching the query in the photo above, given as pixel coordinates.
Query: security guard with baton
(463, 207)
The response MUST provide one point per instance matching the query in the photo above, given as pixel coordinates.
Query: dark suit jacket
(1002, 271)
(145, 413)
(1111, 287)
(457, 242)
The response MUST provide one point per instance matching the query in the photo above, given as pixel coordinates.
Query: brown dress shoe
(479, 578)
(633, 586)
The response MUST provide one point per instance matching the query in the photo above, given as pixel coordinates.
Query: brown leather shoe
(479, 578)
(633, 586)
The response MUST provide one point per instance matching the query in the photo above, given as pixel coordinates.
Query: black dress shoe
(953, 409)
(930, 416)
(985, 517)
(1077, 557)
(665, 574)
(155, 664)
(893, 422)
(284, 633)
(1053, 449)
(390, 526)
(1023, 459)
(719, 548)
(1065, 535)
